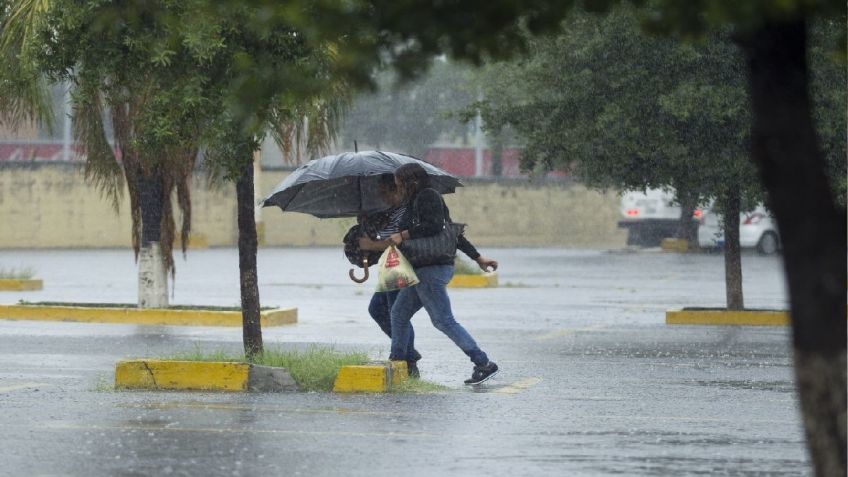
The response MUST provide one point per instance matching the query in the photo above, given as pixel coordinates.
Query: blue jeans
(432, 294)
(380, 310)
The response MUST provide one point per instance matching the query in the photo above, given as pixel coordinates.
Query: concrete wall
(50, 205)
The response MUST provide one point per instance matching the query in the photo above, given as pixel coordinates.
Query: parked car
(650, 216)
(757, 229)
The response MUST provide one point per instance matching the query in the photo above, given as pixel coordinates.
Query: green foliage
(314, 369)
(623, 109)
(24, 97)
(692, 19)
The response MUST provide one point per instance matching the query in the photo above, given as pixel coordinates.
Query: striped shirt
(393, 225)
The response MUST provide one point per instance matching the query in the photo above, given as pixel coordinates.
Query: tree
(784, 144)
(117, 70)
(169, 73)
(622, 109)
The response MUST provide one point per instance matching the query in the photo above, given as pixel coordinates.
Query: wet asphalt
(592, 383)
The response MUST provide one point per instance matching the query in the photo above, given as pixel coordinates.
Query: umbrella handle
(364, 277)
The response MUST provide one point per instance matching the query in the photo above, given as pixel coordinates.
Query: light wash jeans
(432, 294)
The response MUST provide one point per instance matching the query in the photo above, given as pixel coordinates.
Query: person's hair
(413, 177)
(387, 182)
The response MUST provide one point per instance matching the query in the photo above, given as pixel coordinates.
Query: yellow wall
(45, 206)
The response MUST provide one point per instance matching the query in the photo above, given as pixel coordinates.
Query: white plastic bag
(394, 271)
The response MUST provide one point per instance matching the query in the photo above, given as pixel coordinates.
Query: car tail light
(753, 219)
(632, 212)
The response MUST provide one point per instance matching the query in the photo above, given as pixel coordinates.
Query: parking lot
(592, 383)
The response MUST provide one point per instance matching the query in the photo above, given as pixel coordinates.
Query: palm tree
(162, 102)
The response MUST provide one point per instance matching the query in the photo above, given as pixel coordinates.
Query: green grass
(314, 369)
(17, 273)
(465, 267)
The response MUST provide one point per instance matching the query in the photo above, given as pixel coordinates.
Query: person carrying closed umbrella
(427, 215)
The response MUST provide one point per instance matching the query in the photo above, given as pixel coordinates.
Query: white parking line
(568, 331)
(518, 386)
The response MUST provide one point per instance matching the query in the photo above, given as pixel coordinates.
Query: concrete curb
(148, 316)
(725, 317)
(674, 245)
(486, 280)
(14, 284)
(152, 374)
(375, 377)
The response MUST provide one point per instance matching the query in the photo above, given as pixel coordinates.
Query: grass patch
(25, 273)
(314, 369)
(418, 386)
(464, 267)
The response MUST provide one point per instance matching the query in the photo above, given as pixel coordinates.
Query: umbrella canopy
(345, 184)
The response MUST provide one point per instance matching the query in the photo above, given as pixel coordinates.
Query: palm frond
(24, 94)
(311, 124)
(101, 166)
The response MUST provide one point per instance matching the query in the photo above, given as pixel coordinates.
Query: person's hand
(486, 263)
(395, 239)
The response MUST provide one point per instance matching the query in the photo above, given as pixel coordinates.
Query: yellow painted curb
(13, 284)
(370, 378)
(486, 280)
(185, 375)
(275, 317)
(674, 245)
(724, 317)
(399, 370)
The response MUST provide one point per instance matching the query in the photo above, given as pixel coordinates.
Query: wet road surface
(592, 383)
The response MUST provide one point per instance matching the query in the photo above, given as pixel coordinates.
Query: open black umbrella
(343, 185)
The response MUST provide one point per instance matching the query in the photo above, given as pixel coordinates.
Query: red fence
(460, 161)
(29, 151)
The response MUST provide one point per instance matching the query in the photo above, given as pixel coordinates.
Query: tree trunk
(248, 281)
(732, 251)
(812, 229)
(497, 145)
(152, 276)
(687, 229)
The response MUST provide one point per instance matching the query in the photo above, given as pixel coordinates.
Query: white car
(650, 216)
(757, 229)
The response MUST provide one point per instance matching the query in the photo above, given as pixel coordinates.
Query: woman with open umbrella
(386, 224)
(426, 215)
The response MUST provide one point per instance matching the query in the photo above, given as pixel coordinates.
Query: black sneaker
(483, 373)
(412, 370)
